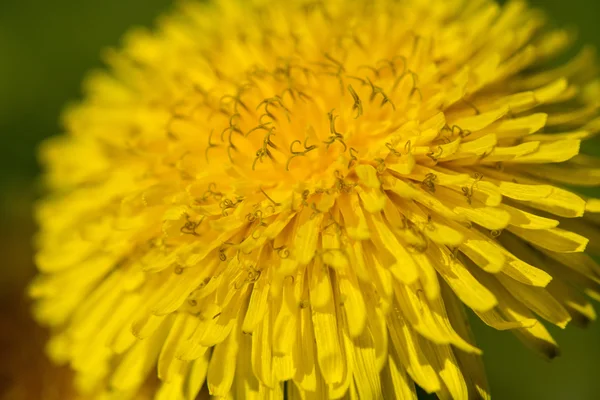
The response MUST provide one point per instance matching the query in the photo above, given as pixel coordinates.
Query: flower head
(297, 196)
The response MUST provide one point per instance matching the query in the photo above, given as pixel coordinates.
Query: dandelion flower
(300, 198)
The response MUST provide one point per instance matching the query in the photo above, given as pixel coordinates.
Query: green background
(46, 47)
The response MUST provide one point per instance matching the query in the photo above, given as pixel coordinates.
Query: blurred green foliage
(45, 50)
(46, 47)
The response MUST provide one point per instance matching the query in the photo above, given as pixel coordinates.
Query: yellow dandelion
(296, 198)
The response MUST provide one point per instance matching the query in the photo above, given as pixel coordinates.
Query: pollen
(301, 199)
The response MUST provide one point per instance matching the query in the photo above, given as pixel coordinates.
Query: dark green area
(46, 47)
(45, 50)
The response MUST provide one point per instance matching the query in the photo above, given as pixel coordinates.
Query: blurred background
(46, 47)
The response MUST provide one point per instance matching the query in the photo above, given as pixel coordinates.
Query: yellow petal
(325, 202)
(550, 91)
(477, 147)
(321, 293)
(218, 327)
(67, 255)
(438, 232)
(354, 218)
(554, 239)
(261, 351)
(177, 287)
(484, 254)
(580, 309)
(494, 319)
(520, 126)
(518, 102)
(373, 200)
(97, 308)
(538, 300)
(307, 377)
(586, 227)
(329, 353)
(524, 192)
(560, 202)
(471, 364)
(428, 274)
(134, 367)
(339, 389)
(171, 389)
(396, 382)
(356, 254)
(558, 151)
(489, 217)
(333, 253)
(307, 235)
(592, 206)
(417, 312)
(525, 273)
(354, 305)
(551, 137)
(286, 321)
(221, 369)
(507, 154)
(197, 376)
(378, 327)
(520, 270)
(402, 165)
(535, 336)
(407, 191)
(429, 318)
(366, 370)
(466, 287)
(257, 307)
(168, 366)
(525, 220)
(367, 175)
(283, 368)
(406, 346)
(478, 122)
(443, 360)
(84, 276)
(146, 324)
(386, 240)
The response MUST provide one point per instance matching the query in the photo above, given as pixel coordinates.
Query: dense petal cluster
(299, 196)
